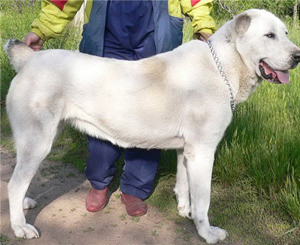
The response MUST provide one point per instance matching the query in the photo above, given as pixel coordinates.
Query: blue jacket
(167, 32)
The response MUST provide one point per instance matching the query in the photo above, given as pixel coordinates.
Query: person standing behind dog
(127, 30)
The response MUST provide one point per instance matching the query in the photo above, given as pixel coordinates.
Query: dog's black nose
(296, 56)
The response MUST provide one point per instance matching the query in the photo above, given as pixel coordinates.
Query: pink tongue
(283, 77)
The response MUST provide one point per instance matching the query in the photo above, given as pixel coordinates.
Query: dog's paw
(213, 234)
(29, 203)
(184, 211)
(26, 231)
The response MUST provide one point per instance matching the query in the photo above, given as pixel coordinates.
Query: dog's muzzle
(295, 59)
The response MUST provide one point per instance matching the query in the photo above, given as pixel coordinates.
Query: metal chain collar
(223, 75)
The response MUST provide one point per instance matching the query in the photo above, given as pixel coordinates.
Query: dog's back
(18, 53)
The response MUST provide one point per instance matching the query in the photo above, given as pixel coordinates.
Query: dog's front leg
(199, 168)
(182, 186)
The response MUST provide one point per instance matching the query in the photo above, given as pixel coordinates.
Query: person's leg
(100, 171)
(139, 172)
(101, 167)
(129, 35)
(137, 179)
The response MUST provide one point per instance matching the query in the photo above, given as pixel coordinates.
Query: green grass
(256, 179)
(15, 25)
(262, 143)
(250, 217)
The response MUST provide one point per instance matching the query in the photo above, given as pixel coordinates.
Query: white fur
(29, 203)
(173, 100)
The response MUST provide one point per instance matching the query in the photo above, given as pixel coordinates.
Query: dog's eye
(270, 35)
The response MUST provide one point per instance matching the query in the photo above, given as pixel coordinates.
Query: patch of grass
(262, 143)
(70, 174)
(135, 219)
(4, 238)
(89, 229)
(249, 217)
(107, 210)
(163, 196)
(6, 133)
(16, 19)
(117, 195)
(122, 217)
(290, 197)
(71, 147)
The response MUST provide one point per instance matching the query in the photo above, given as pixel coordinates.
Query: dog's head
(262, 41)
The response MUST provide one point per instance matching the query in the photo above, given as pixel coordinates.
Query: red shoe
(134, 205)
(96, 200)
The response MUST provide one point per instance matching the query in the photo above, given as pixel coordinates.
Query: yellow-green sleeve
(200, 15)
(52, 20)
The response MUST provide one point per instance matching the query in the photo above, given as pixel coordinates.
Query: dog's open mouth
(272, 75)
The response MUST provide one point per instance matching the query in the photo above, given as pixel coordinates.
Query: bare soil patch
(61, 217)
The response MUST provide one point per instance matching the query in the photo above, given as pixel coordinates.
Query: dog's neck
(242, 78)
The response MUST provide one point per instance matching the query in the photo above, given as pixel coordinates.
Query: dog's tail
(18, 53)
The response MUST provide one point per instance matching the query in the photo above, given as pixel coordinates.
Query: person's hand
(33, 41)
(203, 36)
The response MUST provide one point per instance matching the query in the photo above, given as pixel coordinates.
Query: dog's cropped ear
(242, 23)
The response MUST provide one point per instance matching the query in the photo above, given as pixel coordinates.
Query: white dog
(176, 100)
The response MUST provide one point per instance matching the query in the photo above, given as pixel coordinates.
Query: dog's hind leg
(29, 203)
(33, 136)
(182, 186)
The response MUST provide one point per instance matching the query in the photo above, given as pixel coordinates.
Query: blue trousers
(129, 35)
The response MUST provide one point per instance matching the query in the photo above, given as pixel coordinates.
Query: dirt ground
(61, 217)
